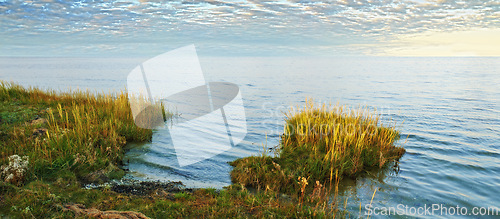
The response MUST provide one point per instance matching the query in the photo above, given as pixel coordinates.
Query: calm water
(448, 107)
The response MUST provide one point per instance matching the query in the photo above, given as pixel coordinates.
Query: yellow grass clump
(321, 143)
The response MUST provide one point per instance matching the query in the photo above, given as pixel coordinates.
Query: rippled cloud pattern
(337, 27)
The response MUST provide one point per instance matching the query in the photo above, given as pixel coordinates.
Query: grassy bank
(75, 131)
(319, 146)
(54, 143)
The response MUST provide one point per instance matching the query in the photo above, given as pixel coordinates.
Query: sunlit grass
(83, 131)
(321, 143)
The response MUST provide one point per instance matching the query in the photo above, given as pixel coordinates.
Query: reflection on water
(450, 108)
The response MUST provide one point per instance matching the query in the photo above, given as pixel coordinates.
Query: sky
(50, 28)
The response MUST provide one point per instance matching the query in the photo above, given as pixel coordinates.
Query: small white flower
(15, 171)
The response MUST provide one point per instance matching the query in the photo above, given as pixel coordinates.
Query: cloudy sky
(251, 28)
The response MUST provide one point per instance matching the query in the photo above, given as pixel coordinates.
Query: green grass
(85, 132)
(43, 200)
(83, 141)
(320, 145)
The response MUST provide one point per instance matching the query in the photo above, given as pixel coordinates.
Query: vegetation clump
(323, 144)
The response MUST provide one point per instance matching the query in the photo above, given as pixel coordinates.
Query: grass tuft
(321, 143)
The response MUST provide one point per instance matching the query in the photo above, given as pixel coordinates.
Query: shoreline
(73, 144)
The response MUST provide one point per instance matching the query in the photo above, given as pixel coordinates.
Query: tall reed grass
(83, 131)
(321, 143)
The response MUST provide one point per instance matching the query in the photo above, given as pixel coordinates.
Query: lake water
(448, 111)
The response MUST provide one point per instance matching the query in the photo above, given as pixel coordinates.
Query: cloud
(322, 24)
